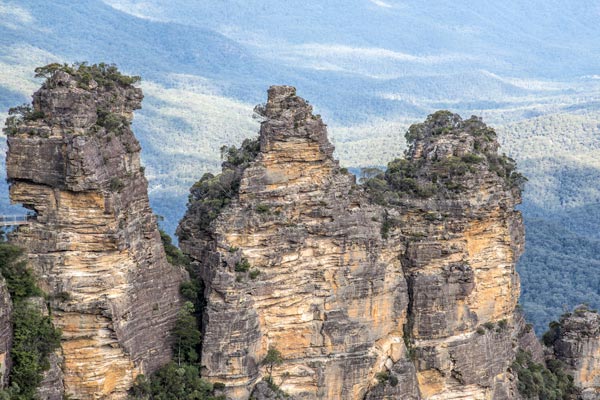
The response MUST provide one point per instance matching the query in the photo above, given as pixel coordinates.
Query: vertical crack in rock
(452, 200)
(297, 263)
(331, 273)
(94, 243)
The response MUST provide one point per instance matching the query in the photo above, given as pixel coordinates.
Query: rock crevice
(306, 261)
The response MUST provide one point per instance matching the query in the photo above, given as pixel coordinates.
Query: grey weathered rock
(262, 391)
(578, 346)
(341, 283)
(94, 244)
(329, 295)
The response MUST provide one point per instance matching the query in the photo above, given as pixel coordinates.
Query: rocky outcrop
(577, 345)
(297, 263)
(5, 332)
(94, 243)
(404, 287)
(452, 202)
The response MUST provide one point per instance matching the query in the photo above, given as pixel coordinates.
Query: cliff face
(452, 204)
(94, 243)
(326, 291)
(5, 332)
(404, 287)
(578, 346)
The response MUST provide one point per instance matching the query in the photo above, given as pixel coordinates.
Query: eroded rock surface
(94, 243)
(326, 292)
(578, 346)
(454, 207)
(401, 288)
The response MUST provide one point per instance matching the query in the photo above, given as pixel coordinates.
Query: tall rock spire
(94, 244)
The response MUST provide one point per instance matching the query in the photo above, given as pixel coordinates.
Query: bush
(111, 122)
(262, 208)
(116, 185)
(212, 193)
(174, 255)
(17, 116)
(552, 334)
(272, 359)
(243, 265)
(173, 382)
(34, 336)
(19, 279)
(187, 335)
(489, 325)
(254, 274)
(536, 381)
(382, 377)
(105, 75)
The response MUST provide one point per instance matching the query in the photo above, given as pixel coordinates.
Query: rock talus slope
(94, 243)
(404, 287)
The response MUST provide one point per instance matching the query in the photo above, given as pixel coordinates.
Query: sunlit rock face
(463, 238)
(391, 296)
(94, 243)
(578, 346)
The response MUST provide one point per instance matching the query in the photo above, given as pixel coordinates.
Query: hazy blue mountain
(371, 67)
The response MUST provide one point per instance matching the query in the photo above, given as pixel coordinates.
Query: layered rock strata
(404, 287)
(578, 346)
(454, 207)
(326, 292)
(94, 243)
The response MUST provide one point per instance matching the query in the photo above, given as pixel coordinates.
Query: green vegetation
(35, 338)
(212, 193)
(426, 177)
(386, 377)
(187, 335)
(262, 208)
(243, 265)
(489, 326)
(569, 261)
(174, 382)
(112, 122)
(116, 184)
(272, 359)
(180, 379)
(552, 334)
(17, 116)
(105, 75)
(536, 381)
(254, 274)
(174, 255)
(19, 279)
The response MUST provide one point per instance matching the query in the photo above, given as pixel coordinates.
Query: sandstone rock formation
(454, 208)
(94, 243)
(327, 293)
(578, 346)
(5, 332)
(402, 288)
